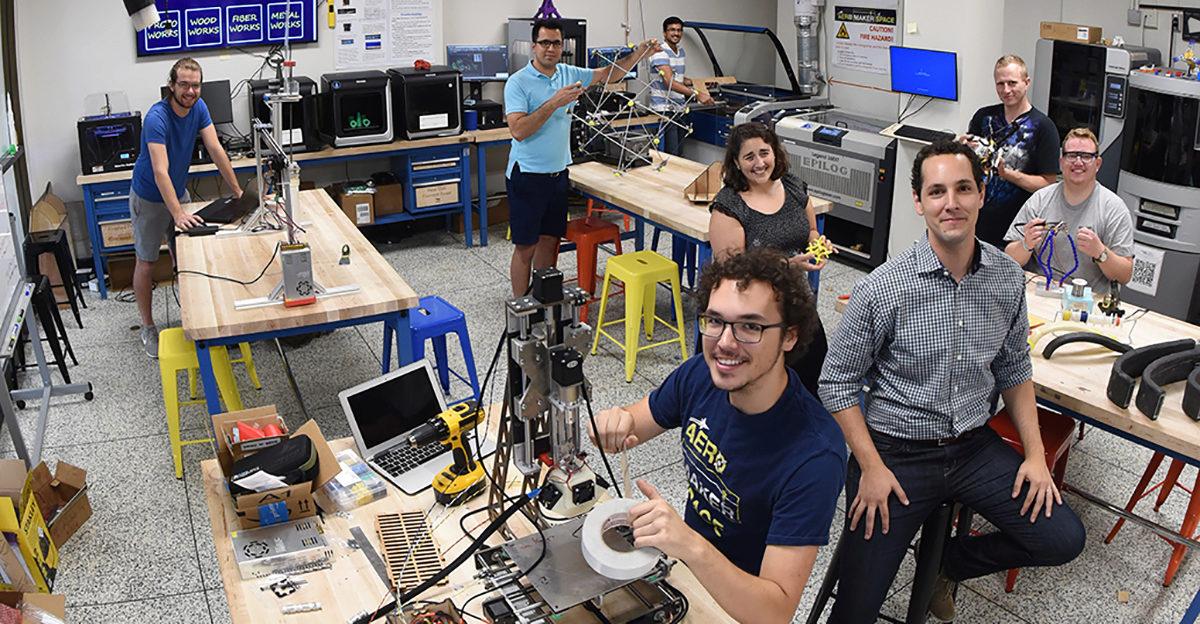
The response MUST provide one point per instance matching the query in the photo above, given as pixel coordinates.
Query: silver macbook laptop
(383, 411)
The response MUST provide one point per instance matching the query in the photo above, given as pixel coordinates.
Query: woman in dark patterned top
(763, 205)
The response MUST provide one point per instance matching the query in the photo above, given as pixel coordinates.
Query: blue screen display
(191, 25)
(599, 58)
(930, 73)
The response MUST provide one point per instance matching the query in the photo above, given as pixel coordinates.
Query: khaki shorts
(152, 223)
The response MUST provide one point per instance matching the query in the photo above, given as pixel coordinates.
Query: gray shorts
(152, 223)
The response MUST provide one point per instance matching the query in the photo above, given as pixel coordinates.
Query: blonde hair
(188, 63)
(1012, 59)
(1081, 133)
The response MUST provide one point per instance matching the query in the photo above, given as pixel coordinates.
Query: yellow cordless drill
(462, 480)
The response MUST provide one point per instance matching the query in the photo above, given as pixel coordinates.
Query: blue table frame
(395, 328)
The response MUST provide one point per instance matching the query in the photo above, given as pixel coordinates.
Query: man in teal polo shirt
(537, 99)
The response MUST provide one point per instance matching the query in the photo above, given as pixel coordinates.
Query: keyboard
(404, 458)
(923, 134)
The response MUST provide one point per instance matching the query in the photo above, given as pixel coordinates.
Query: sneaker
(941, 604)
(150, 341)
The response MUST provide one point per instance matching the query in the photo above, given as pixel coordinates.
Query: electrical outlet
(911, 28)
(1134, 17)
(1150, 19)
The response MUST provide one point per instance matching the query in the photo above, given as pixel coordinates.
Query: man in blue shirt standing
(765, 461)
(537, 99)
(159, 187)
(670, 90)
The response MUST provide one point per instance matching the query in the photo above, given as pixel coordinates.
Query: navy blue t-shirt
(753, 479)
(1030, 145)
(162, 125)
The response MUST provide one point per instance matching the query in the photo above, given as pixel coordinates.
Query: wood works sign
(863, 37)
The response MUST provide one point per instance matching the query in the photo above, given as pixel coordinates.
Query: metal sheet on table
(563, 579)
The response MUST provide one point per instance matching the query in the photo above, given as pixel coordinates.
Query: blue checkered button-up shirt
(931, 352)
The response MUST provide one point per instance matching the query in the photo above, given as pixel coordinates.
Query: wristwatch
(1100, 259)
(1024, 246)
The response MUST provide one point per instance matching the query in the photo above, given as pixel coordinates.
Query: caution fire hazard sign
(863, 37)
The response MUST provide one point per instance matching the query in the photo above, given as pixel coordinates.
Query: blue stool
(432, 320)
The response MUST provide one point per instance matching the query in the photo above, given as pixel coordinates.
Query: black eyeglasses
(743, 332)
(550, 43)
(1083, 157)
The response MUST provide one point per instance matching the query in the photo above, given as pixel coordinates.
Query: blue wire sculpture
(1046, 254)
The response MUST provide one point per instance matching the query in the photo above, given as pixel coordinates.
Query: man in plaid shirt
(933, 334)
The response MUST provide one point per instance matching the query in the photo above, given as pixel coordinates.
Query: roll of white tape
(621, 566)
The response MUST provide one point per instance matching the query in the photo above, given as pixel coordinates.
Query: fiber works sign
(862, 38)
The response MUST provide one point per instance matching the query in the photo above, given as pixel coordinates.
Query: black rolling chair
(55, 242)
(935, 534)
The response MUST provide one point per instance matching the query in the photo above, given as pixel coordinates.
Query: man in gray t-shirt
(1094, 216)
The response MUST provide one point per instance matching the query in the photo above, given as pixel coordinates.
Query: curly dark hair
(766, 264)
(732, 176)
(945, 148)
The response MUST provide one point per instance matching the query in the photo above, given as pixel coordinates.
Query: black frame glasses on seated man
(550, 43)
(1083, 157)
(745, 332)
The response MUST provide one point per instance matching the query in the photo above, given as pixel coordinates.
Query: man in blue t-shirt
(670, 90)
(765, 460)
(537, 99)
(160, 174)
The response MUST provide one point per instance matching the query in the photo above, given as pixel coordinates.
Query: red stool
(1057, 431)
(588, 234)
(1191, 518)
(593, 209)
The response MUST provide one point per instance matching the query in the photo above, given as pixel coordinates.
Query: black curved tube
(1065, 339)
(1130, 366)
(1163, 371)
(1191, 395)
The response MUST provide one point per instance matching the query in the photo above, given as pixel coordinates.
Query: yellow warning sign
(842, 33)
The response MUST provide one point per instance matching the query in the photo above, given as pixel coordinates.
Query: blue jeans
(978, 470)
(670, 139)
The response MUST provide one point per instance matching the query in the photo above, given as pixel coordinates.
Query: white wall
(59, 69)
(978, 47)
(856, 91)
(1023, 17)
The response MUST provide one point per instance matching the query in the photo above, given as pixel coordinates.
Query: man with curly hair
(765, 460)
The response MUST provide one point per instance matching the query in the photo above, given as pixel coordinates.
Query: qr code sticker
(1147, 269)
(1143, 273)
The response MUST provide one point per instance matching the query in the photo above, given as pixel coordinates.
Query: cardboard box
(12, 478)
(389, 199)
(54, 604)
(120, 270)
(30, 556)
(1078, 33)
(116, 233)
(62, 498)
(258, 417)
(359, 207)
(281, 504)
(436, 194)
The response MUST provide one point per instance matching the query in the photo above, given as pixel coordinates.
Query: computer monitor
(599, 58)
(932, 73)
(215, 95)
(479, 62)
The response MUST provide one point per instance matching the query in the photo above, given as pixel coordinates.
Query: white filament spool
(617, 565)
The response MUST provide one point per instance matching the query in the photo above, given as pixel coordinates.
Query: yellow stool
(245, 358)
(177, 353)
(641, 272)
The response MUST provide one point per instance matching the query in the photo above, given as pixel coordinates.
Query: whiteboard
(11, 233)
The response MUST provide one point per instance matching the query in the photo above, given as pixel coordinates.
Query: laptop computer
(229, 209)
(383, 411)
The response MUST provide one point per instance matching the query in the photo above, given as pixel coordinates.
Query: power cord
(232, 279)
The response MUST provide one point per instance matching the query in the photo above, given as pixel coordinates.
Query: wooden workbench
(655, 194)
(351, 585)
(1076, 379)
(207, 305)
